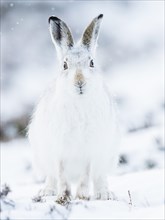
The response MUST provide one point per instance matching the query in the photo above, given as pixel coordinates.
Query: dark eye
(65, 65)
(91, 63)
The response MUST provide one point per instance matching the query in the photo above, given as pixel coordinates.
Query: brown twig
(130, 199)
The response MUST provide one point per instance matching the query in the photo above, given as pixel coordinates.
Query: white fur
(77, 130)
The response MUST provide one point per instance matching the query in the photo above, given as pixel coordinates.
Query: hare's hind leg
(83, 187)
(64, 188)
(50, 188)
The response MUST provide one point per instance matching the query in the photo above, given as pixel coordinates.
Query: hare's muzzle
(79, 81)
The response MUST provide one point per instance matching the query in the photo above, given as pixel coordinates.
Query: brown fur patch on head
(79, 78)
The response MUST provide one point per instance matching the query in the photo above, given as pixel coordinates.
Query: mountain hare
(73, 131)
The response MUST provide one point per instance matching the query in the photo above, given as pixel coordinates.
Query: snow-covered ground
(131, 55)
(138, 187)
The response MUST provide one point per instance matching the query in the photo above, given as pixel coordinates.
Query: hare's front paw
(82, 193)
(63, 199)
(47, 192)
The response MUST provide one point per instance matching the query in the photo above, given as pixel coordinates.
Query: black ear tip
(53, 18)
(100, 16)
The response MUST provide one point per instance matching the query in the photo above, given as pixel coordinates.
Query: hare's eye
(91, 63)
(65, 65)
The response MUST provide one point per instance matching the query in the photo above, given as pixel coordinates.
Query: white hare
(73, 131)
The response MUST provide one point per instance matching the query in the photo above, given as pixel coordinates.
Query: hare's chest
(82, 117)
(80, 127)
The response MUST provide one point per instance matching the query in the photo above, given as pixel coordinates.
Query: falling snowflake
(11, 4)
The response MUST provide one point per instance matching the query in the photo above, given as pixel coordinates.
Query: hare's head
(76, 60)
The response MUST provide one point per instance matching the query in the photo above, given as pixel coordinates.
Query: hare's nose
(80, 84)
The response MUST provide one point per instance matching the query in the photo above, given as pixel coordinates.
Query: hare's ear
(61, 35)
(90, 35)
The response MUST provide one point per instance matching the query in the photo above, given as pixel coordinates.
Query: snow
(131, 55)
(11, 4)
